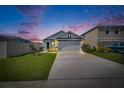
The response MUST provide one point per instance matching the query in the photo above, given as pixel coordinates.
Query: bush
(102, 49)
(94, 48)
(86, 48)
(107, 50)
(99, 49)
(53, 50)
(41, 48)
(33, 49)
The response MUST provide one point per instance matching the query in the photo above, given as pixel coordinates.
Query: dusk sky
(38, 22)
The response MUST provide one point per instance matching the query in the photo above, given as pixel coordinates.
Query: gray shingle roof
(54, 36)
(8, 37)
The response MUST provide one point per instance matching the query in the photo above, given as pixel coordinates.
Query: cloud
(113, 17)
(23, 32)
(30, 10)
(33, 13)
(112, 20)
(30, 25)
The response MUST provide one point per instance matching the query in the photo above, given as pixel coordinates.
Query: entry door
(48, 45)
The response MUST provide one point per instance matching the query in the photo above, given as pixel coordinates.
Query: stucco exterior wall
(3, 46)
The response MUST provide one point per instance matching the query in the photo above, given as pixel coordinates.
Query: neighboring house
(109, 36)
(13, 46)
(61, 40)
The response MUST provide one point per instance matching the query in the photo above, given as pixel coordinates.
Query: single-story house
(107, 35)
(14, 46)
(61, 40)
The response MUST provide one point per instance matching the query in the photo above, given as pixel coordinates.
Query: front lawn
(116, 57)
(27, 67)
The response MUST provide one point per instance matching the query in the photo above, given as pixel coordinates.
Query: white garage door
(69, 44)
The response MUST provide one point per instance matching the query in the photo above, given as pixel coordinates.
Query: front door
(47, 45)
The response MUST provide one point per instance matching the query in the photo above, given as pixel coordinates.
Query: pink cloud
(30, 27)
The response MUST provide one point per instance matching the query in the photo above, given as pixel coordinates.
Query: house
(107, 35)
(61, 40)
(13, 46)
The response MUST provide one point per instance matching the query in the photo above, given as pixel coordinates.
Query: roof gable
(69, 35)
(54, 36)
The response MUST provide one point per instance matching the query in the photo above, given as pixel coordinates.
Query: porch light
(53, 43)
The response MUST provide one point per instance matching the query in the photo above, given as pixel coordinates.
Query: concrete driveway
(73, 68)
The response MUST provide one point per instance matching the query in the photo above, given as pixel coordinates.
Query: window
(53, 43)
(116, 30)
(116, 44)
(121, 43)
(107, 30)
(69, 35)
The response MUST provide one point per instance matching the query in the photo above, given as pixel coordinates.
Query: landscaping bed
(27, 67)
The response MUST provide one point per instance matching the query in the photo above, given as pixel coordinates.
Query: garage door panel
(65, 44)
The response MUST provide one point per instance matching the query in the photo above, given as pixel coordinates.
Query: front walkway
(73, 68)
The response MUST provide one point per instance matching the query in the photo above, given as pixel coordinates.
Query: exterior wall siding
(15, 48)
(91, 38)
(108, 40)
(99, 35)
(110, 37)
(3, 46)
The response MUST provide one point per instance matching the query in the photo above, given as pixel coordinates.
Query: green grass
(27, 67)
(116, 57)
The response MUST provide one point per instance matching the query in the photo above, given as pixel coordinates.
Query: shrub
(41, 48)
(53, 50)
(86, 48)
(102, 49)
(33, 49)
(107, 50)
(94, 48)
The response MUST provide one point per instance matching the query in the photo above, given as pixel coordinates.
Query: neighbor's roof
(97, 27)
(8, 37)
